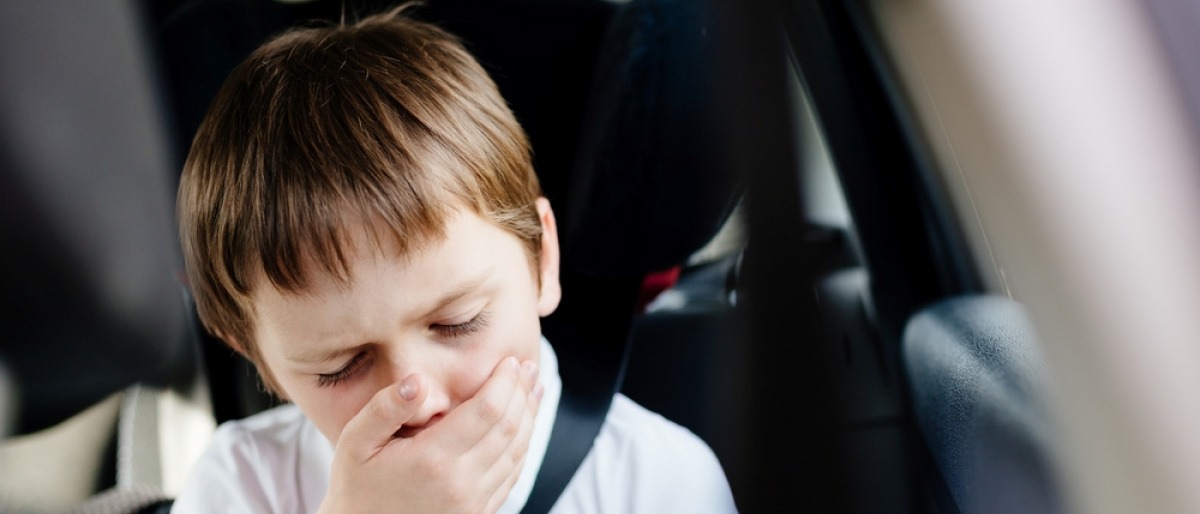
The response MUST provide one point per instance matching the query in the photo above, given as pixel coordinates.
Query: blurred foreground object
(89, 301)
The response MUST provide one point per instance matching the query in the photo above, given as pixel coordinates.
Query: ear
(551, 290)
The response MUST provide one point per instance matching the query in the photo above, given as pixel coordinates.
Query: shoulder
(630, 423)
(249, 465)
(646, 440)
(643, 462)
(272, 430)
(257, 442)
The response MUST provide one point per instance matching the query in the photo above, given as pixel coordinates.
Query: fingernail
(408, 388)
(531, 369)
(538, 390)
(512, 362)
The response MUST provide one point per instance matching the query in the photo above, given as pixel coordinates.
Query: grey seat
(977, 382)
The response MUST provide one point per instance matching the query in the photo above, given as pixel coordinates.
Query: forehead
(324, 257)
(472, 253)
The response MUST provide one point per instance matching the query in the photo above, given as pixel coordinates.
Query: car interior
(913, 256)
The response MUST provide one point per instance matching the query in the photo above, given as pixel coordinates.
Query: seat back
(977, 383)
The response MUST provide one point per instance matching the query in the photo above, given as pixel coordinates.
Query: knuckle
(518, 453)
(490, 411)
(457, 495)
(430, 466)
(509, 428)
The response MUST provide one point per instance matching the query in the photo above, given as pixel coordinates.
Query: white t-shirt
(278, 462)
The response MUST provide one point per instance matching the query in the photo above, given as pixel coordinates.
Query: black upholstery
(90, 299)
(680, 355)
(650, 175)
(977, 379)
(539, 52)
(647, 190)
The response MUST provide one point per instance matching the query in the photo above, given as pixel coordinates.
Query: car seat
(651, 177)
(540, 53)
(632, 193)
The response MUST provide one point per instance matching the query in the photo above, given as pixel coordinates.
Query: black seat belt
(653, 50)
(591, 367)
(576, 426)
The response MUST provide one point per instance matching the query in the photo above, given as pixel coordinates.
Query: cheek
(472, 369)
(342, 406)
(517, 339)
(331, 409)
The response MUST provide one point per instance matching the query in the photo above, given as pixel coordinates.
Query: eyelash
(463, 329)
(451, 331)
(347, 371)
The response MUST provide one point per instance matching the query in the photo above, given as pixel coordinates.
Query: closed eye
(462, 329)
(347, 372)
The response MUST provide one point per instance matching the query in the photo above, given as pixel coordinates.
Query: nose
(437, 396)
(430, 413)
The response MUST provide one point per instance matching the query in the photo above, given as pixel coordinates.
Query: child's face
(449, 312)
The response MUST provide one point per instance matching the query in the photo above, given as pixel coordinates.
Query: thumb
(374, 426)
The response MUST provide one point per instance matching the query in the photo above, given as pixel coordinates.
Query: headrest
(539, 53)
(651, 185)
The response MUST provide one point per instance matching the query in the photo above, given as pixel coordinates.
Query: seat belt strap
(576, 426)
(589, 382)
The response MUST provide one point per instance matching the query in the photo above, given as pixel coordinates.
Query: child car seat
(540, 53)
(632, 194)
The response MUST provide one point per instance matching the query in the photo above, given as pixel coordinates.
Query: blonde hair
(387, 121)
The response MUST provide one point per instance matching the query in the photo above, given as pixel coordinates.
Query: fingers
(373, 427)
(470, 459)
(516, 424)
(504, 448)
(478, 416)
(501, 493)
(513, 450)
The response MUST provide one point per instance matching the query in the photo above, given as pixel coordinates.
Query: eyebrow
(451, 296)
(322, 356)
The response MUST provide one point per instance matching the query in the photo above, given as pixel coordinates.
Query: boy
(360, 218)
